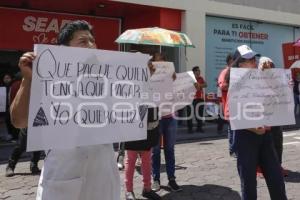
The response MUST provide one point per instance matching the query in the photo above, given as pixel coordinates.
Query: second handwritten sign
(260, 98)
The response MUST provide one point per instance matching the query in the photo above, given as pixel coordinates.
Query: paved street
(204, 170)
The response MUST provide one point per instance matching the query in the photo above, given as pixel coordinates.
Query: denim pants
(230, 140)
(20, 148)
(168, 127)
(253, 150)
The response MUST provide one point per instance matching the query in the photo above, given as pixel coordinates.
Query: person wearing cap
(254, 146)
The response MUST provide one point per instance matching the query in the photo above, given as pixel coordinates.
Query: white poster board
(260, 98)
(2, 99)
(161, 82)
(85, 96)
(183, 93)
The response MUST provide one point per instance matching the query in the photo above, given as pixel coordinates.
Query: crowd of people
(91, 173)
(253, 147)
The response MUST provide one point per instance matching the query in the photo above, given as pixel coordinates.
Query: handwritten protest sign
(168, 94)
(182, 95)
(2, 99)
(86, 96)
(260, 98)
(161, 82)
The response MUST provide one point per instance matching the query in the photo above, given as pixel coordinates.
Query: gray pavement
(203, 169)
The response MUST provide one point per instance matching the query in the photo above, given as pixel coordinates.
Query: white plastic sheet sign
(260, 98)
(85, 96)
(161, 82)
(182, 95)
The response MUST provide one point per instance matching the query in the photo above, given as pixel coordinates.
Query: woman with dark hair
(142, 149)
(82, 173)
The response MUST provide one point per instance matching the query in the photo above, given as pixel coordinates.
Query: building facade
(215, 27)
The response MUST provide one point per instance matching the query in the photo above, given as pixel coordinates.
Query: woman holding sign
(167, 129)
(142, 149)
(83, 173)
(254, 146)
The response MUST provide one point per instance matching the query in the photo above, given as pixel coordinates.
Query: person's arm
(224, 86)
(174, 76)
(200, 86)
(19, 109)
(151, 68)
(203, 85)
(223, 81)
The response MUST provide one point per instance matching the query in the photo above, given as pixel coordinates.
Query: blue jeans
(168, 127)
(231, 141)
(253, 150)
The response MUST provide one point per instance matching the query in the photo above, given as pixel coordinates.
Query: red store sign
(20, 29)
(290, 54)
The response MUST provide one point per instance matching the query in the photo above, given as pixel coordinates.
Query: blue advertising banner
(223, 35)
(273, 46)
